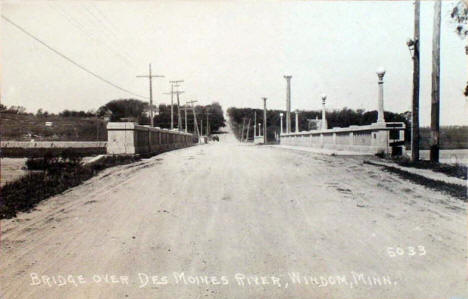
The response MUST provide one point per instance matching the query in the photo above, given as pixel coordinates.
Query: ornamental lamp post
(380, 116)
(324, 125)
(411, 46)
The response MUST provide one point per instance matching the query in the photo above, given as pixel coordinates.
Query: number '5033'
(409, 251)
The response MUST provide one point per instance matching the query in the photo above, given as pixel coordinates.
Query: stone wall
(130, 138)
(372, 139)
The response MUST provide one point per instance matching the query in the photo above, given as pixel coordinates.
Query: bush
(50, 163)
(57, 175)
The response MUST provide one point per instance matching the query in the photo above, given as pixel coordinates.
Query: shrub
(57, 175)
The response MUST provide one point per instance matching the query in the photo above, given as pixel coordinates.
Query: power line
(70, 60)
(92, 35)
(107, 27)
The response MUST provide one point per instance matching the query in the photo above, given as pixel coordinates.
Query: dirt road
(227, 220)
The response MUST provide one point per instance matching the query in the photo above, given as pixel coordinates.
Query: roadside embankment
(438, 181)
(51, 176)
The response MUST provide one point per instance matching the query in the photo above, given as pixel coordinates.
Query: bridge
(234, 220)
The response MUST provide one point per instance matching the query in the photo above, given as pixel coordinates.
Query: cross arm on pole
(148, 76)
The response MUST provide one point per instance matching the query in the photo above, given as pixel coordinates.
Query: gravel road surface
(227, 220)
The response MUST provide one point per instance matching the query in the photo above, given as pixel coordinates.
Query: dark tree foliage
(72, 113)
(337, 118)
(215, 117)
(13, 109)
(124, 108)
(138, 111)
(459, 15)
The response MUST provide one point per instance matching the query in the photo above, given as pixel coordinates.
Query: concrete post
(288, 104)
(264, 122)
(380, 116)
(324, 125)
(297, 121)
(281, 123)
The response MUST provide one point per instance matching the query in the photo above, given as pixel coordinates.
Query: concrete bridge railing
(130, 138)
(376, 138)
(11, 148)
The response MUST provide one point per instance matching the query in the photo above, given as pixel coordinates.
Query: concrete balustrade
(385, 138)
(130, 138)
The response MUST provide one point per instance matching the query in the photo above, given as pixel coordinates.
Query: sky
(231, 52)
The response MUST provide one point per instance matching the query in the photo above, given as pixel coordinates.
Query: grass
(458, 191)
(56, 175)
(453, 170)
(24, 127)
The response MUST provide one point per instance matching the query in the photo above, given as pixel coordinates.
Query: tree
(459, 15)
(125, 108)
(216, 118)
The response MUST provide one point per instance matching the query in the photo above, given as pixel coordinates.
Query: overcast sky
(231, 52)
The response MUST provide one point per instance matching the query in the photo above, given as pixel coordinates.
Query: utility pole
(288, 103)
(242, 131)
(177, 92)
(265, 139)
(255, 124)
(435, 94)
(194, 117)
(416, 70)
(150, 77)
(207, 123)
(179, 119)
(201, 124)
(185, 115)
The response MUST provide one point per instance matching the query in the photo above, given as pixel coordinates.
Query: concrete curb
(321, 151)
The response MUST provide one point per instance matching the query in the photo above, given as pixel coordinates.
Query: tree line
(138, 111)
(344, 117)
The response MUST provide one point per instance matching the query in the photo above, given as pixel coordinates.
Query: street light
(324, 98)
(380, 73)
(411, 46)
(324, 125)
(380, 114)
